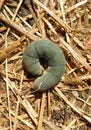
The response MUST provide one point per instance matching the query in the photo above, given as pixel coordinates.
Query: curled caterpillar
(54, 56)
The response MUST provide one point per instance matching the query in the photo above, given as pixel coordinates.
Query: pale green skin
(56, 63)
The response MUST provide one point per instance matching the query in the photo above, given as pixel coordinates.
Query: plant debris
(68, 105)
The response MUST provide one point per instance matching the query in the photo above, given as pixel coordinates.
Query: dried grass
(68, 105)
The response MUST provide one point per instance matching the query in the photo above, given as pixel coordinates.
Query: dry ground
(68, 105)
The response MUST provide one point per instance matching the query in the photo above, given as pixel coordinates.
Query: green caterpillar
(51, 53)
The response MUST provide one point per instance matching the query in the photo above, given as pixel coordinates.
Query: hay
(68, 105)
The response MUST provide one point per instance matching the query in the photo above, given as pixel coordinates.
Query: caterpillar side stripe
(51, 53)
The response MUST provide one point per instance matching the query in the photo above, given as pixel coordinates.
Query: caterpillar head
(39, 85)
